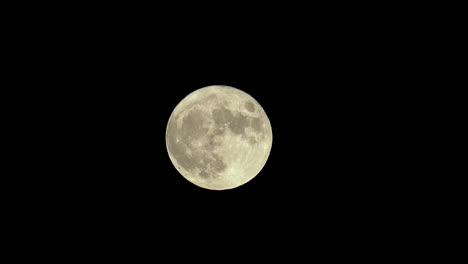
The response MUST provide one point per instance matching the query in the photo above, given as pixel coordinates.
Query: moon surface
(218, 137)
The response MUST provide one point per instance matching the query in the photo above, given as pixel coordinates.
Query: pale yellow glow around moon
(219, 137)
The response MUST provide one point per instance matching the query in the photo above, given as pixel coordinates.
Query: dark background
(107, 83)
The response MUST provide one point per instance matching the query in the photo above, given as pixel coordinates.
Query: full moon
(218, 137)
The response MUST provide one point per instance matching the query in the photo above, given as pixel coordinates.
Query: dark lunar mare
(249, 106)
(209, 163)
(236, 122)
(256, 124)
(239, 123)
(221, 116)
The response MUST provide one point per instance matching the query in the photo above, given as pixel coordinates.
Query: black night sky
(110, 88)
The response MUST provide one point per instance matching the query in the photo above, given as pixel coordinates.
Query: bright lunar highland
(218, 137)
